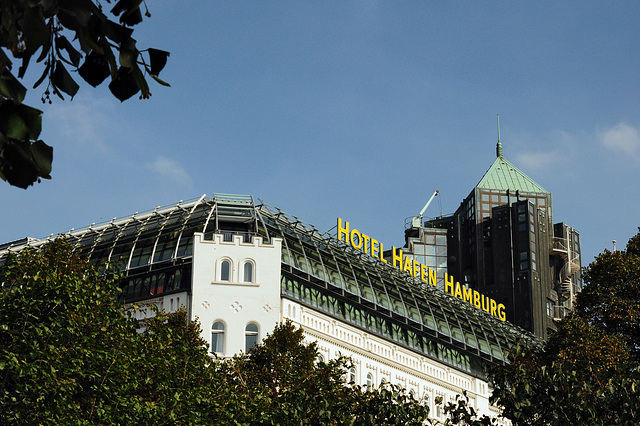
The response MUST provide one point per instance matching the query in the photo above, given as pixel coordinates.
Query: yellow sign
(375, 249)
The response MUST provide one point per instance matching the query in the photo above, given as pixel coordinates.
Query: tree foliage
(610, 299)
(282, 381)
(71, 354)
(587, 372)
(460, 412)
(63, 35)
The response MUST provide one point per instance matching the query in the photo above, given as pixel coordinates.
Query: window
(247, 272)
(217, 337)
(352, 375)
(225, 270)
(250, 336)
(369, 380)
(426, 400)
(550, 309)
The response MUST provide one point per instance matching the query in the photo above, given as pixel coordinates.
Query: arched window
(250, 335)
(426, 401)
(369, 380)
(217, 337)
(352, 375)
(247, 272)
(225, 270)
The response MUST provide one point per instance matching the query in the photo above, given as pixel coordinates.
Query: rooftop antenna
(499, 146)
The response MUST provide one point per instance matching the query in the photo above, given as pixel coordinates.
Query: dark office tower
(502, 242)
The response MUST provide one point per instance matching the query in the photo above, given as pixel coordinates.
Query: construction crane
(416, 222)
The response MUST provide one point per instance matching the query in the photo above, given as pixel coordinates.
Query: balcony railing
(560, 244)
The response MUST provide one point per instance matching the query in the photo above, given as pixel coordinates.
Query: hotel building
(432, 316)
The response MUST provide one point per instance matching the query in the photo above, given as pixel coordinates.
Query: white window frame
(220, 334)
(254, 270)
(219, 270)
(249, 334)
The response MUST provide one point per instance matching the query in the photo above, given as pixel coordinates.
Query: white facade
(236, 301)
(377, 360)
(211, 257)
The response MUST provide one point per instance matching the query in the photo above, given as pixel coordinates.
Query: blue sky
(357, 109)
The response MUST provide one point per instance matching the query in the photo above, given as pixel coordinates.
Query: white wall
(235, 302)
(384, 360)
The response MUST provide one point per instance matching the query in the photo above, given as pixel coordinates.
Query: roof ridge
(503, 175)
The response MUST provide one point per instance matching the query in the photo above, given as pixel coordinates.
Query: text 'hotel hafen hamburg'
(431, 316)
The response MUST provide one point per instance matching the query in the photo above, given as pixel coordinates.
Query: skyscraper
(502, 242)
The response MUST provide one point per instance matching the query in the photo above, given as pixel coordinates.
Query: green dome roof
(503, 175)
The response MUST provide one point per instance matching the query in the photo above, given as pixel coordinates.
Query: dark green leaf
(45, 50)
(17, 164)
(24, 66)
(95, 69)
(19, 121)
(88, 41)
(141, 82)
(115, 32)
(74, 56)
(63, 81)
(128, 57)
(158, 59)
(77, 15)
(22, 162)
(10, 87)
(5, 62)
(130, 10)
(124, 85)
(42, 156)
(35, 31)
(47, 68)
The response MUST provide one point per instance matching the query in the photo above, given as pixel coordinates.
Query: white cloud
(537, 160)
(83, 122)
(169, 169)
(557, 148)
(621, 138)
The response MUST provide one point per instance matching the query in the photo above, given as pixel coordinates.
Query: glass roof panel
(371, 292)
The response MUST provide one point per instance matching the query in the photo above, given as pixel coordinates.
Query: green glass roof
(317, 270)
(503, 175)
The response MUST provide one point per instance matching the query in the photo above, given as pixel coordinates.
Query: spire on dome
(499, 145)
(504, 176)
